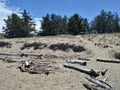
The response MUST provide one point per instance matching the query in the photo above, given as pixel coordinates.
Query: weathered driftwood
(91, 72)
(21, 54)
(84, 59)
(108, 61)
(32, 71)
(37, 68)
(100, 83)
(81, 62)
(105, 79)
(90, 86)
(14, 54)
(103, 72)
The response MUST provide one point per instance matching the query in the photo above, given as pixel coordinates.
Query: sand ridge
(53, 49)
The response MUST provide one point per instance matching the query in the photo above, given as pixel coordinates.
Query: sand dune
(56, 50)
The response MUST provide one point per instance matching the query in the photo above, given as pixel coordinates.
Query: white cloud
(38, 24)
(4, 12)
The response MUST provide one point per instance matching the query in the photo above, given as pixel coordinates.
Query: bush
(5, 44)
(117, 55)
(65, 47)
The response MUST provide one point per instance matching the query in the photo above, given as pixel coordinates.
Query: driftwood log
(14, 54)
(100, 83)
(84, 59)
(108, 61)
(81, 62)
(21, 54)
(91, 72)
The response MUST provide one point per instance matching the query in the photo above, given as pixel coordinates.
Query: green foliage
(85, 25)
(56, 25)
(77, 24)
(53, 25)
(74, 24)
(18, 27)
(106, 22)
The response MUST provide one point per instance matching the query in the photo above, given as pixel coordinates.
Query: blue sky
(85, 8)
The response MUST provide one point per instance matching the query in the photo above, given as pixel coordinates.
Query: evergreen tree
(116, 23)
(106, 22)
(74, 24)
(18, 27)
(77, 24)
(53, 25)
(46, 25)
(63, 25)
(13, 26)
(28, 24)
(85, 25)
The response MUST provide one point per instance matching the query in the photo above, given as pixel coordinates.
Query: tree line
(52, 24)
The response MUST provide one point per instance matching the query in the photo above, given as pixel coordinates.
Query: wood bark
(100, 83)
(77, 61)
(108, 61)
(91, 72)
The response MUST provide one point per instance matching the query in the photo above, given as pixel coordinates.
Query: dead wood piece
(91, 72)
(103, 72)
(90, 86)
(105, 79)
(84, 59)
(100, 83)
(37, 68)
(77, 61)
(9, 54)
(108, 61)
(22, 55)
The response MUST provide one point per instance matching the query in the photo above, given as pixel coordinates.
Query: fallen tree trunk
(108, 61)
(91, 72)
(100, 83)
(77, 61)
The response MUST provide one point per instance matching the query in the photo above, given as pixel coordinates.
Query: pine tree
(28, 24)
(13, 26)
(18, 27)
(106, 22)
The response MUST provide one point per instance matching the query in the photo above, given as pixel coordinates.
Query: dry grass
(35, 45)
(66, 47)
(117, 55)
(5, 44)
